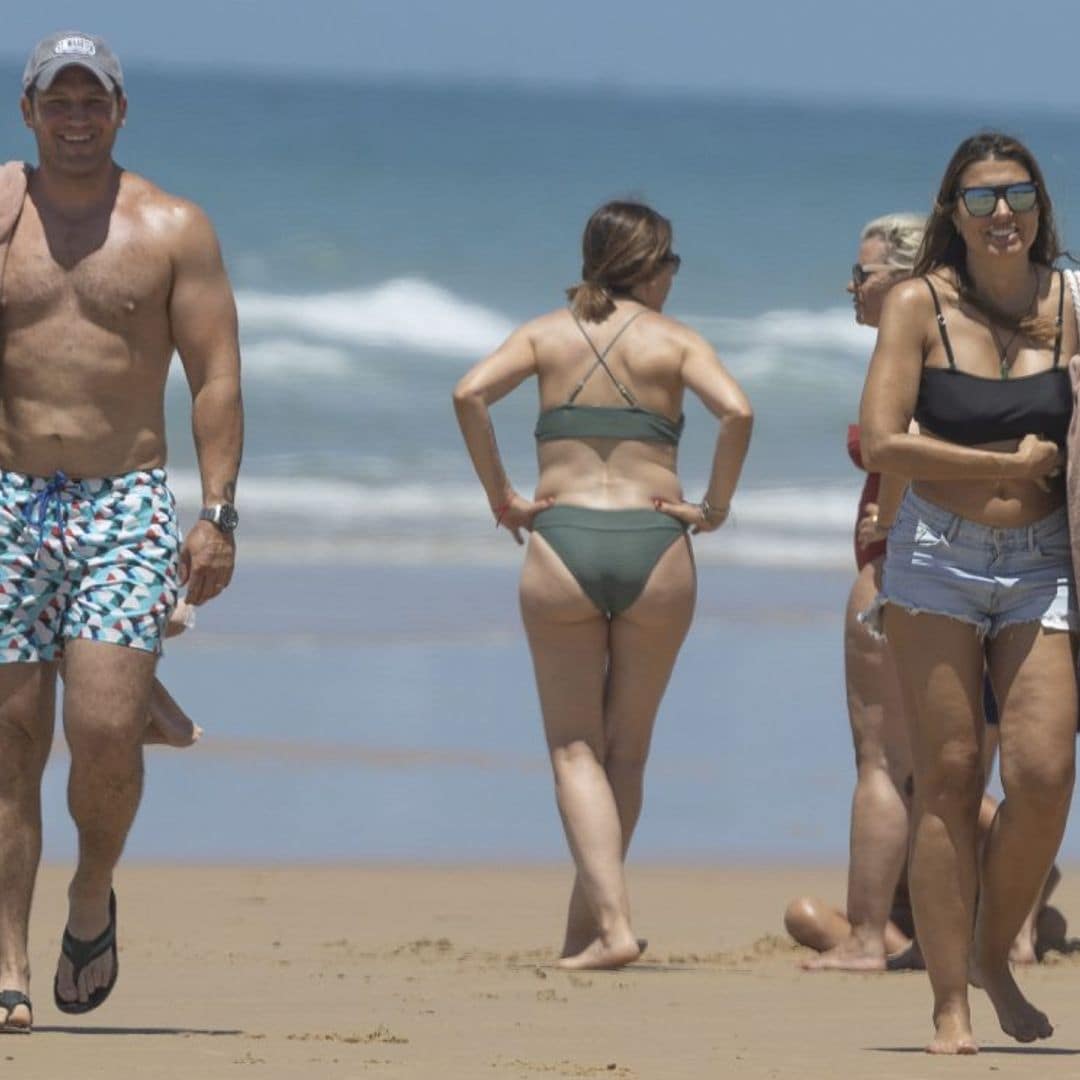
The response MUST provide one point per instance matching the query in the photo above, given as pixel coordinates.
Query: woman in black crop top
(978, 571)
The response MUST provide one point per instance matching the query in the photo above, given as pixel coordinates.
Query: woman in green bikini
(607, 590)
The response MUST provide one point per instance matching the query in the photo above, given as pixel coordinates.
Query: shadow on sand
(56, 1029)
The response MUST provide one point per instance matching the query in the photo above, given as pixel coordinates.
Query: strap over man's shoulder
(12, 193)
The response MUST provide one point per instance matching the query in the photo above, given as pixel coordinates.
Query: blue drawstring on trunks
(36, 513)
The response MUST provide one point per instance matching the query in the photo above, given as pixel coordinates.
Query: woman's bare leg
(1026, 946)
(1032, 671)
(819, 926)
(645, 642)
(879, 812)
(940, 662)
(568, 639)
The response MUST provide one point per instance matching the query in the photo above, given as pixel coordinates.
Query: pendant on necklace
(1004, 368)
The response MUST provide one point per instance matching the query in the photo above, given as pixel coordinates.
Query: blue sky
(980, 51)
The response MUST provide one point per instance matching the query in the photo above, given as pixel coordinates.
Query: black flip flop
(81, 954)
(9, 1000)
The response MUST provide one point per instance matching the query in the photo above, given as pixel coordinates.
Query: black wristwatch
(222, 516)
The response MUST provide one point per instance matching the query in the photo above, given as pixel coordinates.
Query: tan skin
(600, 682)
(941, 660)
(106, 276)
(863, 939)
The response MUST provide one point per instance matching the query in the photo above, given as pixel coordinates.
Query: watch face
(228, 518)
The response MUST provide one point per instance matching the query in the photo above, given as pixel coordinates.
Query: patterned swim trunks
(93, 559)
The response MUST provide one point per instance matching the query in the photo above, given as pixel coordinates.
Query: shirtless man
(102, 276)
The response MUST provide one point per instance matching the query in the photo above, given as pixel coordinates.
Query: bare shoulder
(665, 332)
(550, 321)
(911, 299)
(550, 330)
(180, 225)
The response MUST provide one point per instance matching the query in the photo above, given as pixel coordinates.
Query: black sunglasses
(860, 273)
(672, 260)
(982, 201)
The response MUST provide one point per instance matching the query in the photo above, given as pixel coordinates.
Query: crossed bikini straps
(601, 362)
(943, 330)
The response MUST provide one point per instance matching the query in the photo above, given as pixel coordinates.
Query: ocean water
(382, 237)
(364, 684)
(374, 712)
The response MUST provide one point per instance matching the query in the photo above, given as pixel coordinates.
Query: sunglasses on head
(982, 201)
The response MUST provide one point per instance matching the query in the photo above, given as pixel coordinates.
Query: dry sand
(446, 972)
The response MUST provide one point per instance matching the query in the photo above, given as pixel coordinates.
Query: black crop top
(971, 409)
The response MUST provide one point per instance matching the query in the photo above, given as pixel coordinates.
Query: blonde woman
(607, 589)
(878, 918)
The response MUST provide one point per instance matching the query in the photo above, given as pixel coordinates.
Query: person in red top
(878, 921)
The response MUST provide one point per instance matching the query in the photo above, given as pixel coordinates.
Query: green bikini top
(570, 421)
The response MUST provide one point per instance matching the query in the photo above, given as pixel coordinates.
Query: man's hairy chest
(118, 281)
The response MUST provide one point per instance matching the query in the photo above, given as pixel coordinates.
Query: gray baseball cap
(67, 49)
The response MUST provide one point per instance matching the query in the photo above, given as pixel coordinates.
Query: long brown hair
(624, 244)
(943, 246)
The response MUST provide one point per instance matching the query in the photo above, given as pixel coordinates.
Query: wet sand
(446, 971)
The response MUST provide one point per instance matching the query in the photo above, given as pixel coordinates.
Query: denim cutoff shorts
(939, 563)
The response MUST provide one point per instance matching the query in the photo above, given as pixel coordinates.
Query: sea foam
(408, 313)
(805, 526)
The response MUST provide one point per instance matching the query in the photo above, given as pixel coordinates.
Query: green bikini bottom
(611, 553)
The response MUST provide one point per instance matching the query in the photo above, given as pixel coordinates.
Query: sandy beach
(400, 971)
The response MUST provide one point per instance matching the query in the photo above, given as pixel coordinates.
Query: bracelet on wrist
(708, 511)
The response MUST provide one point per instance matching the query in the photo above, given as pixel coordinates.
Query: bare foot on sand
(582, 929)
(953, 1033)
(1017, 1016)
(853, 954)
(577, 941)
(168, 724)
(603, 955)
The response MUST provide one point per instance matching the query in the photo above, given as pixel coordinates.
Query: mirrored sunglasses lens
(858, 274)
(1021, 197)
(980, 202)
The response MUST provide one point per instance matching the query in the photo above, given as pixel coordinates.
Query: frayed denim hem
(1069, 623)
(874, 620)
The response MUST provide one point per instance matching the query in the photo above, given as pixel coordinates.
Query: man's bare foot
(953, 1033)
(603, 955)
(87, 920)
(854, 954)
(168, 724)
(1017, 1016)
